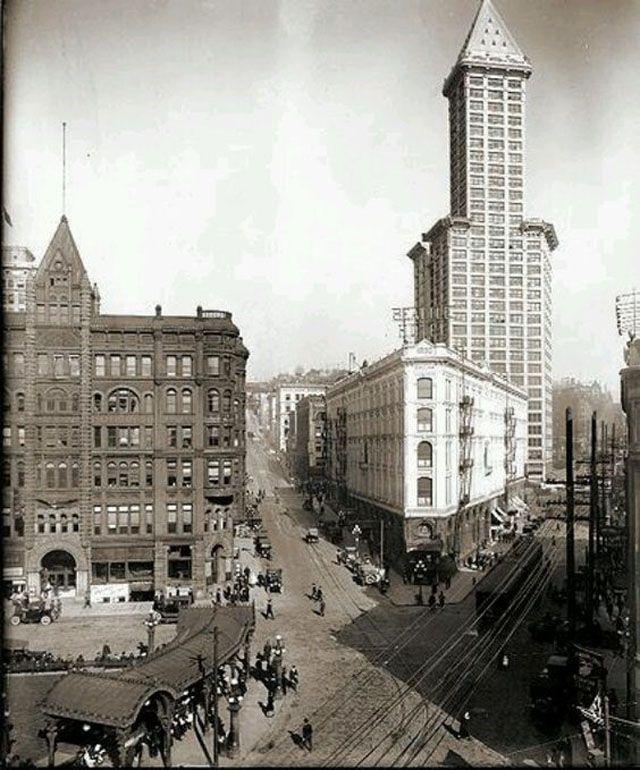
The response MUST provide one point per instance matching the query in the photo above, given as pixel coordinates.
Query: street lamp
(234, 701)
(356, 532)
(151, 623)
(278, 656)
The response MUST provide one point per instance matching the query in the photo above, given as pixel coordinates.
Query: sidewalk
(462, 583)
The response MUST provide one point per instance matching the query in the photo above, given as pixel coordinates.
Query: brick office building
(124, 440)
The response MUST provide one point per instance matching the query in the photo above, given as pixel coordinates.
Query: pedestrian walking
(307, 734)
(441, 600)
(267, 650)
(322, 606)
(319, 594)
(432, 602)
(284, 679)
(314, 592)
(504, 661)
(218, 596)
(269, 612)
(464, 725)
(270, 707)
(293, 677)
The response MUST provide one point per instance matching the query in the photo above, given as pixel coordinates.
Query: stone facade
(124, 439)
(430, 442)
(286, 398)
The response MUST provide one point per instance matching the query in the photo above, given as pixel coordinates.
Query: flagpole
(64, 168)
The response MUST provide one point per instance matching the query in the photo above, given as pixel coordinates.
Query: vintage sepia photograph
(321, 383)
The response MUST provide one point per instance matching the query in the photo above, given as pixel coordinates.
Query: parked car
(368, 574)
(347, 556)
(312, 536)
(34, 613)
(273, 580)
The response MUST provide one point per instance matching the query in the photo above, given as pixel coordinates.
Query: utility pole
(603, 504)
(570, 544)
(607, 733)
(381, 543)
(593, 513)
(215, 696)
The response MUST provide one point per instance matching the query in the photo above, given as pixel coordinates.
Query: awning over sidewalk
(116, 699)
(499, 515)
(520, 504)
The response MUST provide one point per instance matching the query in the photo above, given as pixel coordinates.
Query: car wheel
(15, 620)
(45, 620)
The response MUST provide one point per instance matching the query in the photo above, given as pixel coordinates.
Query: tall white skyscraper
(482, 275)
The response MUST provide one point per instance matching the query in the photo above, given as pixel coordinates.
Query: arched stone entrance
(59, 569)
(217, 573)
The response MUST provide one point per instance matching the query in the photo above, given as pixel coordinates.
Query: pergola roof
(115, 699)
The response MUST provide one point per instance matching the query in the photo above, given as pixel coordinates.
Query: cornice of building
(539, 226)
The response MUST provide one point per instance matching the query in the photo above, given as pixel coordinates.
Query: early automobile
(263, 545)
(347, 556)
(273, 579)
(169, 609)
(312, 535)
(34, 613)
(368, 574)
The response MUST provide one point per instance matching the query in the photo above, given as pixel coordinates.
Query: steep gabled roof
(63, 247)
(489, 43)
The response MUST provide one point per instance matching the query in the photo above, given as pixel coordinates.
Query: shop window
(140, 569)
(179, 562)
(117, 571)
(99, 572)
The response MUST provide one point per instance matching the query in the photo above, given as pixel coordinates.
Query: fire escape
(509, 449)
(466, 465)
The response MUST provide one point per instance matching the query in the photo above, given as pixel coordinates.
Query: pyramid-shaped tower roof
(490, 44)
(62, 249)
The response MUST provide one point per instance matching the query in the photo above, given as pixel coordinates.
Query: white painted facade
(403, 436)
(286, 397)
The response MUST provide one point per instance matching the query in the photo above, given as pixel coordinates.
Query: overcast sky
(279, 159)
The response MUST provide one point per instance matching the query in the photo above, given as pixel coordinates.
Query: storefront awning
(520, 504)
(499, 515)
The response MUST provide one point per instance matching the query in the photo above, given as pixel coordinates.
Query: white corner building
(287, 397)
(431, 443)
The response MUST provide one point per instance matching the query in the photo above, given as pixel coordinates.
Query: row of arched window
(124, 401)
(57, 523)
(58, 475)
(124, 473)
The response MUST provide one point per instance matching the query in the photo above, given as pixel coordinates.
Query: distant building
(123, 438)
(286, 399)
(311, 437)
(482, 274)
(584, 399)
(18, 263)
(430, 443)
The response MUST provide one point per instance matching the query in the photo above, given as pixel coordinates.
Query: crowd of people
(271, 670)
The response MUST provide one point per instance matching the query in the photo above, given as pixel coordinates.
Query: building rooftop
(489, 44)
